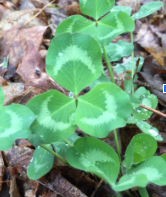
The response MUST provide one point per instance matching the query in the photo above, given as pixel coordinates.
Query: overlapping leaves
(151, 170)
(147, 99)
(141, 147)
(104, 31)
(52, 123)
(92, 155)
(96, 8)
(116, 51)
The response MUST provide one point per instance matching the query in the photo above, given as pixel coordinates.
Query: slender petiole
(108, 64)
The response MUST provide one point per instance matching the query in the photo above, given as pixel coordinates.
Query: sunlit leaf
(53, 110)
(15, 121)
(147, 9)
(92, 155)
(146, 99)
(104, 108)
(2, 97)
(134, 101)
(150, 171)
(108, 27)
(41, 163)
(74, 61)
(100, 80)
(141, 147)
(147, 128)
(115, 51)
(122, 8)
(112, 25)
(96, 8)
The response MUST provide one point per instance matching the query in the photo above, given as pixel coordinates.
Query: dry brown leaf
(14, 44)
(12, 91)
(18, 18)
(2, 170)
(61, 185)
(72, 9)
(18, 156)
(146, 38)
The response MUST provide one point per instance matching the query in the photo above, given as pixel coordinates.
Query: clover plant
(49, 120)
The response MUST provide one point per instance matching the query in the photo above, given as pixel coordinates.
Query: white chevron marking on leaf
(70, 27)
(148, 172)
(73, 53)
(94, 155)
(106, 116)
(45, 119)
(110, 102)
(119, 28)
(15, 124)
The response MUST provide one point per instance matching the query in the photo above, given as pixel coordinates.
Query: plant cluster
(49, 120)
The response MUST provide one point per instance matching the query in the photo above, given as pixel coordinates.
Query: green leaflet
(116, 51)
(74, 61)
(100, 80)
(72, 138)
(141, 147)
(96, 8)
(2, 97)
(150, 171)
(53, 110)
(147, 99)
(15, 122)
(104, 108)
(147, 9)
(107, 28)
(92, 155)
(41, 163)
(35, 140)
(164, 156)
(119, 68)
(61, 148)
(146, 128)
(122, 8)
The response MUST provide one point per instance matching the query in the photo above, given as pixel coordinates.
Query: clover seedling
(74, 60)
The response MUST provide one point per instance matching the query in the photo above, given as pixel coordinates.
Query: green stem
(67, 142)
(143, 191)
(117, 144)
(76, 100)
(54, 153)
(132, 62)
(108, 64)
(119, 194)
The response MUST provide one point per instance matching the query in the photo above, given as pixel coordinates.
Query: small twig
(97, 187)
(153, 110)
(38, 12)
(147, 85)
